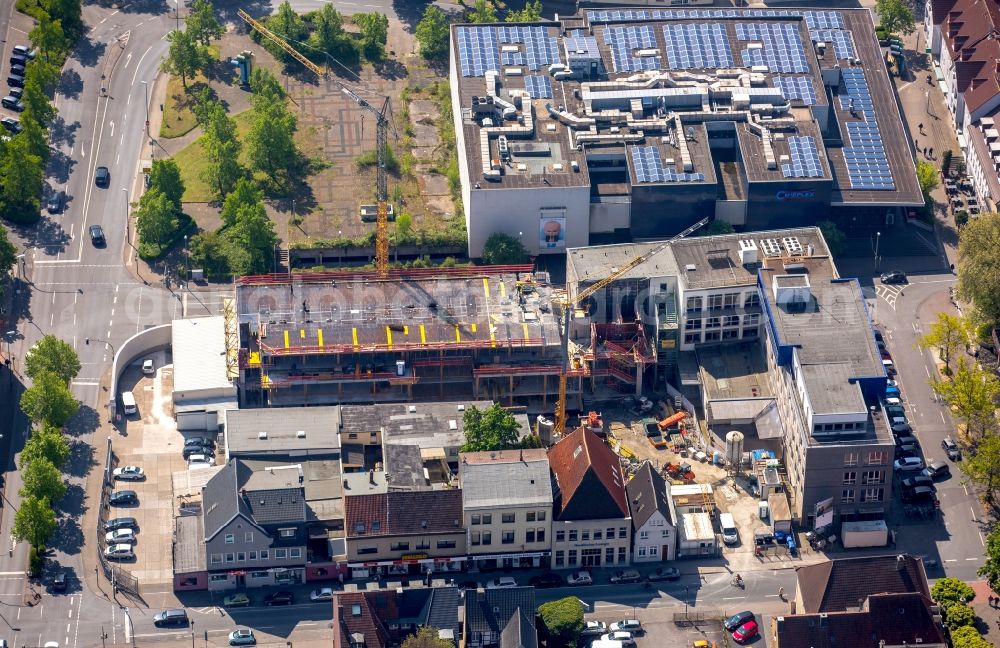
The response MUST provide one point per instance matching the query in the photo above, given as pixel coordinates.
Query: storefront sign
(414, 556)
(794, 195)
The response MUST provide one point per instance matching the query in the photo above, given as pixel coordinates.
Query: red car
(745, 632)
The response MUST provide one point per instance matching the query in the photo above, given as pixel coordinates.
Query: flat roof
(696, 526)
(831, 390)
(189, 544)
(286, 430)
(199, 350)
(662, 76)
(505, 478)
(733, 370)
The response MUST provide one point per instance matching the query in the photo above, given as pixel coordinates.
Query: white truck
(864, 533)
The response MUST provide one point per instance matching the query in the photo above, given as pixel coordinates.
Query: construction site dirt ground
(732, 493)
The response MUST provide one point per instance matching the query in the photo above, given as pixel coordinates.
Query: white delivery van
(730, 535)
(128, 403)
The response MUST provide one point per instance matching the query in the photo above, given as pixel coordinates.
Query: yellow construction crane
(570, 303)
(383, 123)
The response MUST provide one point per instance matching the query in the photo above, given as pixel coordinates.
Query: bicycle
(737, 582)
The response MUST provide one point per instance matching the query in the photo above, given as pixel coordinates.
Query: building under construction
(417, 335)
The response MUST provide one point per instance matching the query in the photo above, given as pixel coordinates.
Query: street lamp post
(145, 86)
(686, 588)
(128, 229)
(177, 15)
(187, 257)
(878, 237)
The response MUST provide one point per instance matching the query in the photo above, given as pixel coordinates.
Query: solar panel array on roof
(814, 19)
(797, 87)
(805, 158)
(697, 45)
(538, 87)
(512, 58)
(649, 167)
(843, 42)
(782, 49)
(478, 51)
(867, 164)
(579, 45)
(623, 41)
(540, 48)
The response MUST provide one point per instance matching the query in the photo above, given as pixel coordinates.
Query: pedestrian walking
(931, 149)
(920, 127)
(781, 593)
(925, 151)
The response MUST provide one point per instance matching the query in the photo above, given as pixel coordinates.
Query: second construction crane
(383, 123)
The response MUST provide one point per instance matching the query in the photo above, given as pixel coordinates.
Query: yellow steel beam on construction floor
(458, 334)
(524, 326)
(473, 327)
(319, 337)
(354, 336)
(503, 290)
(388, 336)
(486, 287)
(286, 338)
(302, 333)
(423, 335)
(406, 330)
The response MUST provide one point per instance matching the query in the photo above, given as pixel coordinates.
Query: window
(560, 558)
(730, 334)
(752, 300)
(692, 338)
(641, 552)
(295, 553)
(731, 300)
(713, 322)
(230, 557)
(572, 535)
(507, 518)
(446, 544)
(530, 516)
(871, 495)
(487, 518)
(752, 320)
(692, 325)
(399, 546)
(507, 537)
(644, 535)
(654, 550)
(487, 538)
(878, 458)
(290, 533)
(693, 304)
(621, 555)
(873, 477)
(253, 555)
(750, 332)
(731, 320)
(248, 536)
(572, 557)
(216, 558)
(230, 538)
(367, 550)
(714, 302)
(560, 536)
(476, 519)
(529, 535)
(847, 496)
(541, 516)
(712, 336)
(264, 554)
(540, 534)
(585, 535)
(280, 554)
(598, 534)
(423, 544)
(665, 533)
(850, 459)
(241, 556)
(609, 533)
(258, 574)
(622, 532)
(475, 537)
(609, 556)
(850, 478)
(218, 578)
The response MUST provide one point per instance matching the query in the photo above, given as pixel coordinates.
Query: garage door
(197, 421)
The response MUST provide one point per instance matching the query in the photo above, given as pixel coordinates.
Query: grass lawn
(178, 118)
(193, 162)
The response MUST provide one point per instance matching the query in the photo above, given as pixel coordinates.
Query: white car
(121, 536)
(129, 473)
(625, 637)
(200, 461)
(594, 629)
(579, 578)
(500, 583)
(148, 367)
(322, 594)
(908, 464)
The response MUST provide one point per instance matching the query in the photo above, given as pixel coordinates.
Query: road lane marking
(972, 559)
(927, 371)
(941, 414)
(952, 560)
(974, 518)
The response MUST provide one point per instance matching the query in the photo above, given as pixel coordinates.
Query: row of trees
(433, 32)
(48, 403)
(954, 596)
(159, 219)
(189, 54)
(321, 33)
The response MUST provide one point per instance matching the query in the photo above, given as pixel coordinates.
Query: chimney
(371, 477)
(243, 493)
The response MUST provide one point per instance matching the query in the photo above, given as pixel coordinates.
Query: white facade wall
(697, 324)
(655, 541)
(519, 213)
(586, 543)
(488, 529)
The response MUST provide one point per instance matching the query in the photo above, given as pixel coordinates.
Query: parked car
(242, 637)
(906, 439)
(745, 632)
(17, 69)
(664, 574)
(173, 617)
(148, 368)
(629, 625)
(55, 203)
(893, 277)
(901, 428)
(908, 464)
(548, 579)
(920, 495)
(123, 498)
(129, 473)
(23, 50)
(737, 620)
(119, 552)
(199, 441)
(60, 582)
(917, 480)
(279, 598)
(17, 59)
(10, 124)
(579, 578)
(121, 536)
(594, 629)
(200, 461)
(97, 235)
(951, 449)
(189, 451)
(236, 600)
(321, 594)
(15, 80)
(624, 637)
(121, 523)
(12, 103)
(937, 469)
(500, 583)
(626, 576)
(907, 450)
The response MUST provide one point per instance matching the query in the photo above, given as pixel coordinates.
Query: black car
(920, 495)
(917, 480)
(17, 69)
(97, 235)
(907, 450)
(102, 177)
(59, 582)
(55, 204)
(17, 59)
(15, 80)
(10, 124)
(893, 277)
(200, 442)
(279, 598)
(11, 102)
(737, 620)
(123, 498)
(546, 580)
(208, 451)
(664, 574)
(121, 523)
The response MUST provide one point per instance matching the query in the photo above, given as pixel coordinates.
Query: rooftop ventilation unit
(748, 252)
(301, 434)
(770, 247)
(262, 435)
(412, 409)
(792, 245)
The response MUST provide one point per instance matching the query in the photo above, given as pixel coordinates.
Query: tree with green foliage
(978, 269)
(49, 38)
(245, 192)
(532, 12)
(35, 138)
(165, 176)
(69, 13)
(286, 23)
(374, 34)
(715, 228)
(38, 81)
(895, 16)
(270, 141)
(21, 172)
(971, 393)
(265, 87)
(46, 443)
(957, 615)
(927, 176)
(34, 521)
(947, 334)
(503, 249)
(202, 24)
(53, 355)
(156, 219)
(328, 33)
(404, 226)
(968, 637)
(209, 251)
(185, 58)
(433, 34)
(49, 400)
(990, 570)
(42, 479)
(222, 147)
(253, 240)
(8, 253)
(983, 467)
(952, 589)
(482, 11)
(493, 428)
(427, 638)
(836, 240)
(562, 622)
